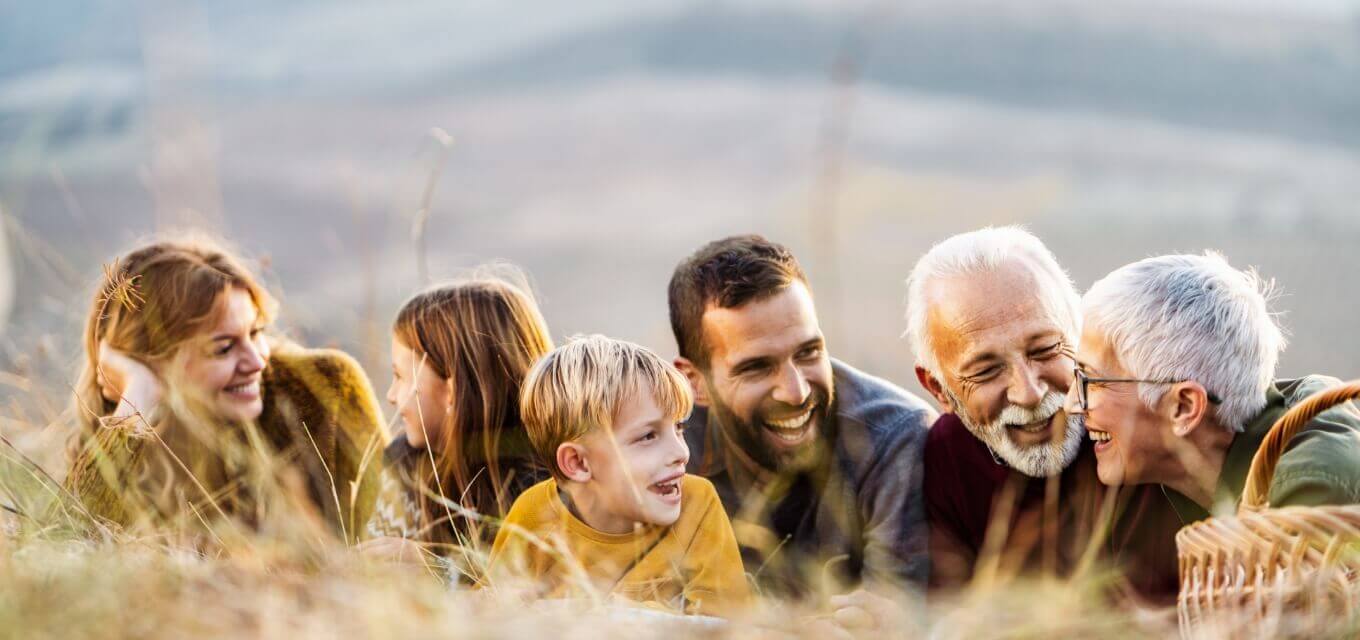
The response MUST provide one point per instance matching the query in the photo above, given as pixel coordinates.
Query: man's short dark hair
(725, 274)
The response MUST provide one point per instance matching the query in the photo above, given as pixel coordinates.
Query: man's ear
(572, 462)
(934, 387)
(696, 380)
(1185, 406)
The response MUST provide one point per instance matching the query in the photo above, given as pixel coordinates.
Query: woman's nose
(254, 359)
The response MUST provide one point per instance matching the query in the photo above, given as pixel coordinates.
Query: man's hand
(863, 612)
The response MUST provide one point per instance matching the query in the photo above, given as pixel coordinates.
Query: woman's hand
(127, 381)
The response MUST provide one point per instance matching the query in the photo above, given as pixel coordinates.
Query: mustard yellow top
(692, 566)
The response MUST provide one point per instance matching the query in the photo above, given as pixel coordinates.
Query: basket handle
(1257, 489)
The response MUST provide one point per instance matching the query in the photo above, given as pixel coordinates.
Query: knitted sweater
(320, 418)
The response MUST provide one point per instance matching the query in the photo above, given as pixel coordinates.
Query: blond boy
(619, 517)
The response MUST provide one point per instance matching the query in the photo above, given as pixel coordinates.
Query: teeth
(1032, 428)
(791, 424)
(248, 387)
(1099, 436)
(668, 487)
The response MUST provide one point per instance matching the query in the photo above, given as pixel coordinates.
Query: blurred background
(596, 143)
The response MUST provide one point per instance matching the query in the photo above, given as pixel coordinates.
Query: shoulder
(947, 436)
(699, 506)
(877, 422)
(955, 462)
(529, 516)
(1319, 465)
(399, 452)
(323, 368)
(697, 490)
(1296, 390)
(878, 405)
(534, 506)
(329, 378)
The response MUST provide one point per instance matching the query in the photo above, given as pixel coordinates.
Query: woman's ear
(933, 386)
(1185, 406)
(696, 380)
(572, 462)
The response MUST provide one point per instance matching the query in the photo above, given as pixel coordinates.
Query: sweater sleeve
(715, 578)
(357, 453)
(321, 403)
(896, 538)
(99, 474)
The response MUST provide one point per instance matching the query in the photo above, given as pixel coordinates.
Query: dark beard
(747, 434)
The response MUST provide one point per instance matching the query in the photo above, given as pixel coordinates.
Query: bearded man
(1010, 482)
(817, 464)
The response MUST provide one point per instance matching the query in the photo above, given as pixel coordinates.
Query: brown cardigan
(320, 416)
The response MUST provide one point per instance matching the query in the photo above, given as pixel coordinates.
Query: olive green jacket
(320, 417)
(1319, 466)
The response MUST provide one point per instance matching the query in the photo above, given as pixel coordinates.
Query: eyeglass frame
(1081, 381)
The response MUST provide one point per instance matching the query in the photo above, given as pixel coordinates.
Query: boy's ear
(696, 380)
(572, 462)
(934, 387)
(1185, 406)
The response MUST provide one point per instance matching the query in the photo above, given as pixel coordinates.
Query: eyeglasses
(1082, 380)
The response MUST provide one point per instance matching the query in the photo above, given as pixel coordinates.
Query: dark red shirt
(1042, 525)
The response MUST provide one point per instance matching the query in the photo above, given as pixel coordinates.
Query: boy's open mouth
(668, 489)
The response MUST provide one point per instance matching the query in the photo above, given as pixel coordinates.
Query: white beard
(1039, 460)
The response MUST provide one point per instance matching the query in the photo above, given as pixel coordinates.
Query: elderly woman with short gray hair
(1175, 382)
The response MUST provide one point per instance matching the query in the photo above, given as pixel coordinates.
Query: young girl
(182, 390)
(459, 355)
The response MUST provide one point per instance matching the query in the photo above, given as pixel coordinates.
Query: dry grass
(63, 575)
(64, 578)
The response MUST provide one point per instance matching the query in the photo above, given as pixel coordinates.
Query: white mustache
(1015, 414)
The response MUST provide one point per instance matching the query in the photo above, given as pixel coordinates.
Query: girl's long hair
(482, 336)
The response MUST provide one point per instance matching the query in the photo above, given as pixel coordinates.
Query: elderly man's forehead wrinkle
(992, 313)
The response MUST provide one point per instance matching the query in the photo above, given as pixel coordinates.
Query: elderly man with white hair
(1175, 382)
(994, 322)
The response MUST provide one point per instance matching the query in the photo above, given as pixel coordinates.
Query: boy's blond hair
(581, 385)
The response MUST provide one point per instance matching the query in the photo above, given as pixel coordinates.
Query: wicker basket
(1273, 572)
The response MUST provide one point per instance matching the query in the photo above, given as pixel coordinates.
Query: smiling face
(222, 367)
(635, 468)
(1006, 365)
(1130, 438)
(419, 394)
(769, 379)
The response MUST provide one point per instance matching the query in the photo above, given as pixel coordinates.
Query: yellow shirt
(691, 566)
